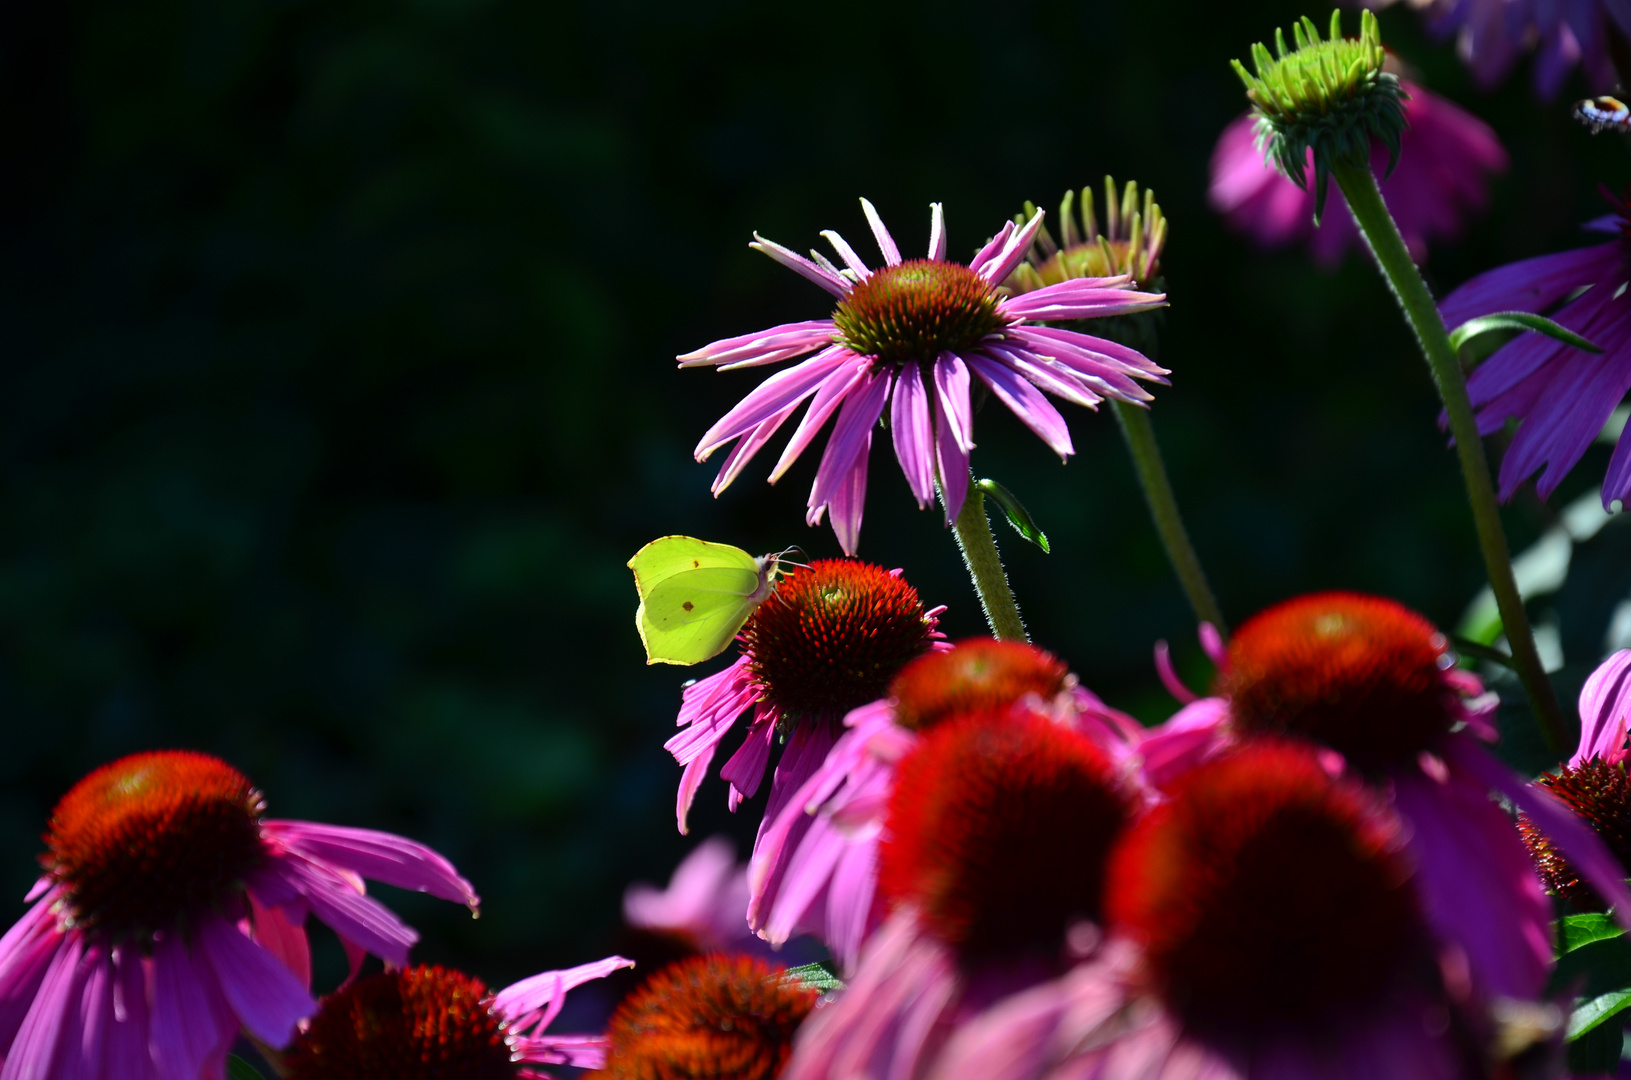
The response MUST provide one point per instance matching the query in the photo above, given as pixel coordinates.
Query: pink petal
(833, 393)
(851, 434)
(951, 409)
(847, 502)
(995, 245)
(997, 270)
(1605, 711)
(279, 933)
(34, 1050)
(187, 1028)
(833, 283)
(1026, 402)
(690, 779)
(346, 911)
(913, 430)
(268, 1000)
(746, 768)
(380, 856)
(847, 253)
(536, 992)
(776, 394)
(688, 900)
(937, 233)
(578, 1051)
(1081, 298)
(1169, 678)
(763, 346)
(886, 243)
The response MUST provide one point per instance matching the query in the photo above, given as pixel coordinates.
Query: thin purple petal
(833, 393)
(763, 346)
(349, 913)
(379, 856)
(1026, 402)
(912, 428)
(785, 388)
(186, 1029)
(836, 284)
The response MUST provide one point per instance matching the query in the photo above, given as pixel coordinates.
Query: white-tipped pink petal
(937, 232)
(268, 1000)
(1605, 711)
(537, 992)
(997, 270)
(912, 428)
(834, 283)
(827, 400)
(379, 856)
(886, 243)
(1026, 402)
(762, 346)
(857, 266)
(776, 394)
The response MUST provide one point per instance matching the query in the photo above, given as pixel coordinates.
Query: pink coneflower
(909, 336)
(1491, 36)
(996, 836)
(1442, 180)
(433, 1022)
(1263, 925)
(1373, 686)
(171, 914)
(1561, 396)
(708, 1018)
(829, 639)
(704, 908)
(838, 813)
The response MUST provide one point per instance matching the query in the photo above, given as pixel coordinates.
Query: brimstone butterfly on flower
(695, 596)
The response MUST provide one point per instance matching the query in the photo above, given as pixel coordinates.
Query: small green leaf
(1577, 931)
(815, 977)
(1517, 320)
(239, 1069)
(1594, 1012)
(1018, 516)
(1597, 1051)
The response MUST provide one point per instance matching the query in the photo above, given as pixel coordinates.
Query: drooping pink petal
(537, 992)
(747, 446)
(1532, 285)
(282, 935)
(836, 284)
(1026, 402)
(886, 243)
(81, 1046)
(1195, 732)
(847, 502)
(912, 427)
(186, 1030)
(833, 393)
(775, 395)
(951, 429)
(1045, 375)
(1169, 677)
(1605, 711)
(352, 915)
(762, 346)
(851, 434)
(746, 768)
(379, 856)
(267, 998)
(125, 1045)
(34, 1049)
(689, 898)
(937, 232)
(691, 778)
(1111, 355)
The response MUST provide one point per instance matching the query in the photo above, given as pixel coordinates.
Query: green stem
(979, 548)
(1152, 476)
(1365, 200)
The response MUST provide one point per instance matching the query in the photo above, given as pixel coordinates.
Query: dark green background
(337, 342)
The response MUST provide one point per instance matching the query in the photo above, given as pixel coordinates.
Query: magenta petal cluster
(1491, 36)
(913, 337)
(528, 1007)
(1605, 712)
(1561, 396)
(1442, 179)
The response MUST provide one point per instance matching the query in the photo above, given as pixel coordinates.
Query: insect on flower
(1603, 113)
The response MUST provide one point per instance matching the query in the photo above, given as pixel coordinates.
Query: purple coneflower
(1561, 396)
(171, 914)
(435, 1022)
(1441, 179)
(1491, 35)
(992, 864)
(838, 814)
(704, 909)
(1263, 927)
(828, 640)
(910, 336)
(1373, 686)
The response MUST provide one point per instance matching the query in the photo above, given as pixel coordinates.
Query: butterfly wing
(694, 597)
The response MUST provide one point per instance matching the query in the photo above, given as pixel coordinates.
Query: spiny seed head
(1330, 97)
(142, 843)
(1133, 235)
(832, 636)
(1264, 889)
(979, 675)
(1362, 674)
(422, 1023)
(916, 310)
(708, 1018)
(1600, 794)
(997, 831)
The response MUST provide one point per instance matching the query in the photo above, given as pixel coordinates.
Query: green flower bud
(1329, 96)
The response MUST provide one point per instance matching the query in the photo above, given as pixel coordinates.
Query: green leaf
(1596, 1052)
(815, 977)
(1577, 931)
(239, 1069)
(1517, 320)
(1592, 1013)
(1018, 516)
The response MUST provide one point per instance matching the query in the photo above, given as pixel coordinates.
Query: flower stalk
(979, 547)
(1354, 177)
(1169, 523)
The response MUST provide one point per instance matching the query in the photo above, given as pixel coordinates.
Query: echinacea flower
(708, 1018)
(704, 908)
(1446, 156)
(171, 914)
(1594, 784)
(829, 639)
(433, 1022)
(1560, 396)
(1492, 35)
(911, 336)
(993, 862)
(1373, 687)
(1265, 926)
(831, 827)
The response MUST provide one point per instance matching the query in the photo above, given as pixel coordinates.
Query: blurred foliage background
(336, 342)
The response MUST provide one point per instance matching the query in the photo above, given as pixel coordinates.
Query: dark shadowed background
(337, 385)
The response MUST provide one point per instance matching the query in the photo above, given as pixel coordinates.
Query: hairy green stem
(1152, 477)
(1377, 225)
(979, 548)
